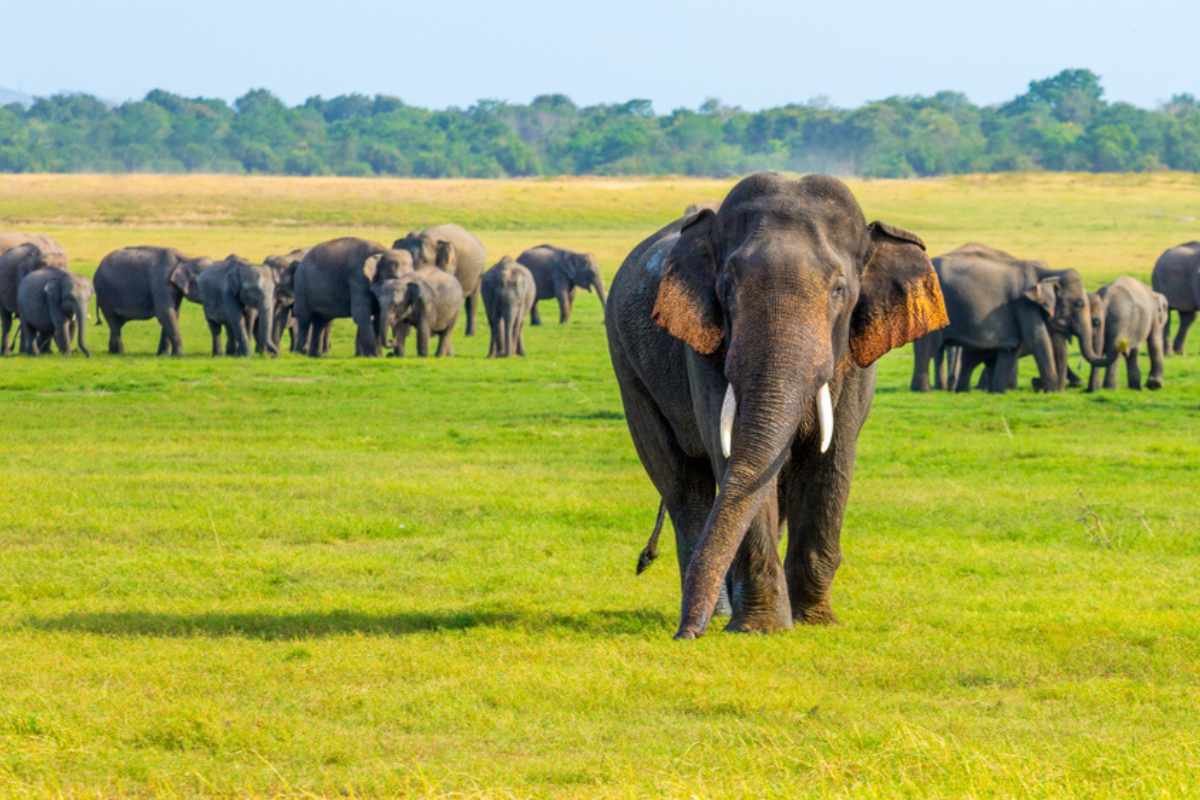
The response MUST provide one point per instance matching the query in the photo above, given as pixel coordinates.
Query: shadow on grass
(270, 626)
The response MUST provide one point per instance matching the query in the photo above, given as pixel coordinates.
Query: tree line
(1060, 123)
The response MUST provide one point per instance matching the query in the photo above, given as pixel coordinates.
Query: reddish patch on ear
(900, 301)
(680, 313)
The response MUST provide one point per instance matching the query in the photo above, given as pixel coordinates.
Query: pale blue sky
(452, 52)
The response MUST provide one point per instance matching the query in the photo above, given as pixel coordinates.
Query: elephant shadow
(286, 626)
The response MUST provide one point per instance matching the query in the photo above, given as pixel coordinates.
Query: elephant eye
(1095, 323)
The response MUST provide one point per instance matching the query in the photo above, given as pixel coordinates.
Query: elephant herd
(420, 283)
(1002, 307)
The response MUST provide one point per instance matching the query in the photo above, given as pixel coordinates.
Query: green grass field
(379, 578)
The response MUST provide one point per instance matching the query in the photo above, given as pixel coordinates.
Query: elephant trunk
(81, 320)
(264, 328)
(1082, 322)
(381, 325)
(599, 284)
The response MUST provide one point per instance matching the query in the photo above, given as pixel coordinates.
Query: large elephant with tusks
(743, 342)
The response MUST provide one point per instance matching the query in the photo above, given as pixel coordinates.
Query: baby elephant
(239, 297)
(1133, 315)
(508, 296)
(428, 299)
(53, 302)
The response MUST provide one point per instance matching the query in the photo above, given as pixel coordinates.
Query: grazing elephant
(558, 273)
(468, 262)
(284, 273)
(145, 283)
(53, 301)
(508, 292)
(335, 280)
(239, 297)
(15, 264)
(1177, 276)
(743, 343)
(1134, 315)
(429, 300)
(1001, 308)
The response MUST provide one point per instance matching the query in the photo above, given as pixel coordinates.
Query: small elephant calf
(53, 302)
(1133, 315)
(509, 293)
(428, 299)
(239, 297)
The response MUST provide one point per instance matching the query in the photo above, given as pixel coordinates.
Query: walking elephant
(743, 343)
(284, 274)
(1177, 276)
(136, 283)
(15, 264)
(1001, 308)
(558, 273)
(239, 297)
(508, 292)
(427, 300)
(334, 280)
(1133, 315)
(467, 261)
(53, 302)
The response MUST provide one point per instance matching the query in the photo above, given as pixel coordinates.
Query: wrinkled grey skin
(427, 300)
(1001, 308)
(508, 296)
(55, 302)
(467, 263)
(558, 272)
(1134, 315)
(239, 297)
(779, 292)
(1177, 276)
(15, 264)
(335, 280)
(283, 269)
(147, 283)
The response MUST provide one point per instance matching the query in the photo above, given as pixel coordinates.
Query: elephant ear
(1044, 294)
(54, 299)
(370, 267)
(446, 257)
(178, 277)
(686, 306)
(233, 280)
(900, 298)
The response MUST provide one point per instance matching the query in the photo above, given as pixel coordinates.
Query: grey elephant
(283, 268)
(1133, 315)
(334, 280)
(136, 283)
(558, 272)
(467, 263)
(15, 264)
(509, 292)
(427, 300)
(239, 297)
(54, 302)
(1177, 277)
(11, 239)
(1001, 308)
(743, 343)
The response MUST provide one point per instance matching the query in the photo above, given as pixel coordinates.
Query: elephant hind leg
(1186, 318)
(1155, 347)
(1133, 370)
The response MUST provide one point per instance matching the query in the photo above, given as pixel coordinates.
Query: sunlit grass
(382, 577)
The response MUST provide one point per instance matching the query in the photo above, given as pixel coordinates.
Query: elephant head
(253, 288)
(1061, 296)
(787, 288)
(184, 275)
(584, 272)
(67, 298)
(389, 296)
(28, 257)
(421, 246)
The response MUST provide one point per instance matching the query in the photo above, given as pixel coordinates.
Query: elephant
(467, 264)
(427, 299)
(53, 301)
(558, 273)
(15, 264)
(145, 282)
(284, 269)
(1001, 308)
(1177, 276)
(509, 293)
(743, 342)
(11, 239)
(1133, 315)
(334, 280)
(239, 297)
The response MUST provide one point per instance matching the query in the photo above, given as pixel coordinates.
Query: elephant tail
(650, 551)
(98, 320)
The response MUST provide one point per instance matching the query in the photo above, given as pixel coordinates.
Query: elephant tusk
(728, 412)
(825, 416)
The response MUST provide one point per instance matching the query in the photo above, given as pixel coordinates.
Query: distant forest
(1060, 123)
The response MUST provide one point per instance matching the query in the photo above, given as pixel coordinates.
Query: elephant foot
(1154, 384)
(759, 623)
(819, 614)
(686, 633)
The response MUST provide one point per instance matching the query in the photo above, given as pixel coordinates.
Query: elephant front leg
(214, 329)
(1155, 346)
(759, 593)
(169, 340)
(6, 319)
(564, 305)
(423, 335)
(471, 303)
(1094, 379)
